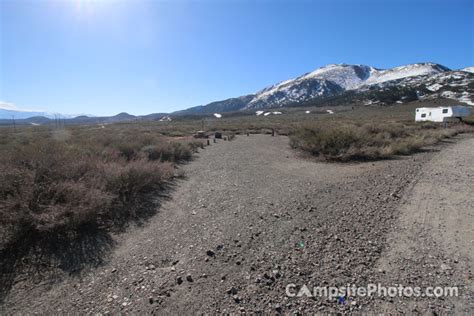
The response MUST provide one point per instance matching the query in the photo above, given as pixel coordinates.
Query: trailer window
(423, 115)
(445, 111)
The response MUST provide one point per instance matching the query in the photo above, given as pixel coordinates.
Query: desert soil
(252, 217)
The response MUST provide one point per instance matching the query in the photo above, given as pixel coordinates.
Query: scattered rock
(189, 278)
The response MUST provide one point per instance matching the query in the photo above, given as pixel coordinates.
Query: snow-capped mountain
(341, 80)
(298, 90)
(332, 80)
(413, 70)
(468, 69)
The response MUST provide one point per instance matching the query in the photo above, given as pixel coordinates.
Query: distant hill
(334, 84)
(83, 119)
(229, 105)
(9, 114)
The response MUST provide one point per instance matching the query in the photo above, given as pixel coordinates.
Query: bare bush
(53, 186)
(346, 142)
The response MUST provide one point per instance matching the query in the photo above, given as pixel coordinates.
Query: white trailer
(442, 113)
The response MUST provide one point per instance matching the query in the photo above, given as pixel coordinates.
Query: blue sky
(103, 57)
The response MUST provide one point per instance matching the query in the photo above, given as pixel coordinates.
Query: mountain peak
(328, 81)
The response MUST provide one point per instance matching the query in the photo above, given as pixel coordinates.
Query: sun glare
(89, 7)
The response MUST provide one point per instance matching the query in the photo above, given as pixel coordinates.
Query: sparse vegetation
(64, 190)
(349, 141)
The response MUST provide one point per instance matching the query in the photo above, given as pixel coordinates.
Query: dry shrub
(173, 152)
(131, 180)
(54, 186)
(346, 142)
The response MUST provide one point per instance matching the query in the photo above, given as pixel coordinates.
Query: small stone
(189, 278)
(210, 253)
(232, 291)
(278, 308)
(179, 280)
(113, 270)
(445, 267)
(276, 273)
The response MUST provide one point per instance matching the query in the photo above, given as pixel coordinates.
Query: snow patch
(468, 69)
(434, 87)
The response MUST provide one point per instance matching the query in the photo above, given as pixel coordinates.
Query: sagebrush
(347, 141)
(56, 182)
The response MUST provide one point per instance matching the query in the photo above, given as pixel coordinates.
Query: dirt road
(433, 242)
(251, 218)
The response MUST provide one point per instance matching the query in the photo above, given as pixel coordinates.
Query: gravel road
(433, 243)
(252, 217)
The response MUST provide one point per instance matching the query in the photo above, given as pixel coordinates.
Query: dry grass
(348, 141)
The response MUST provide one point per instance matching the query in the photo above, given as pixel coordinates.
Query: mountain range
(339, 83)
(341, 80)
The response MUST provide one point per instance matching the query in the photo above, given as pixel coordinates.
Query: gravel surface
(252, 217)
(433, 243)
